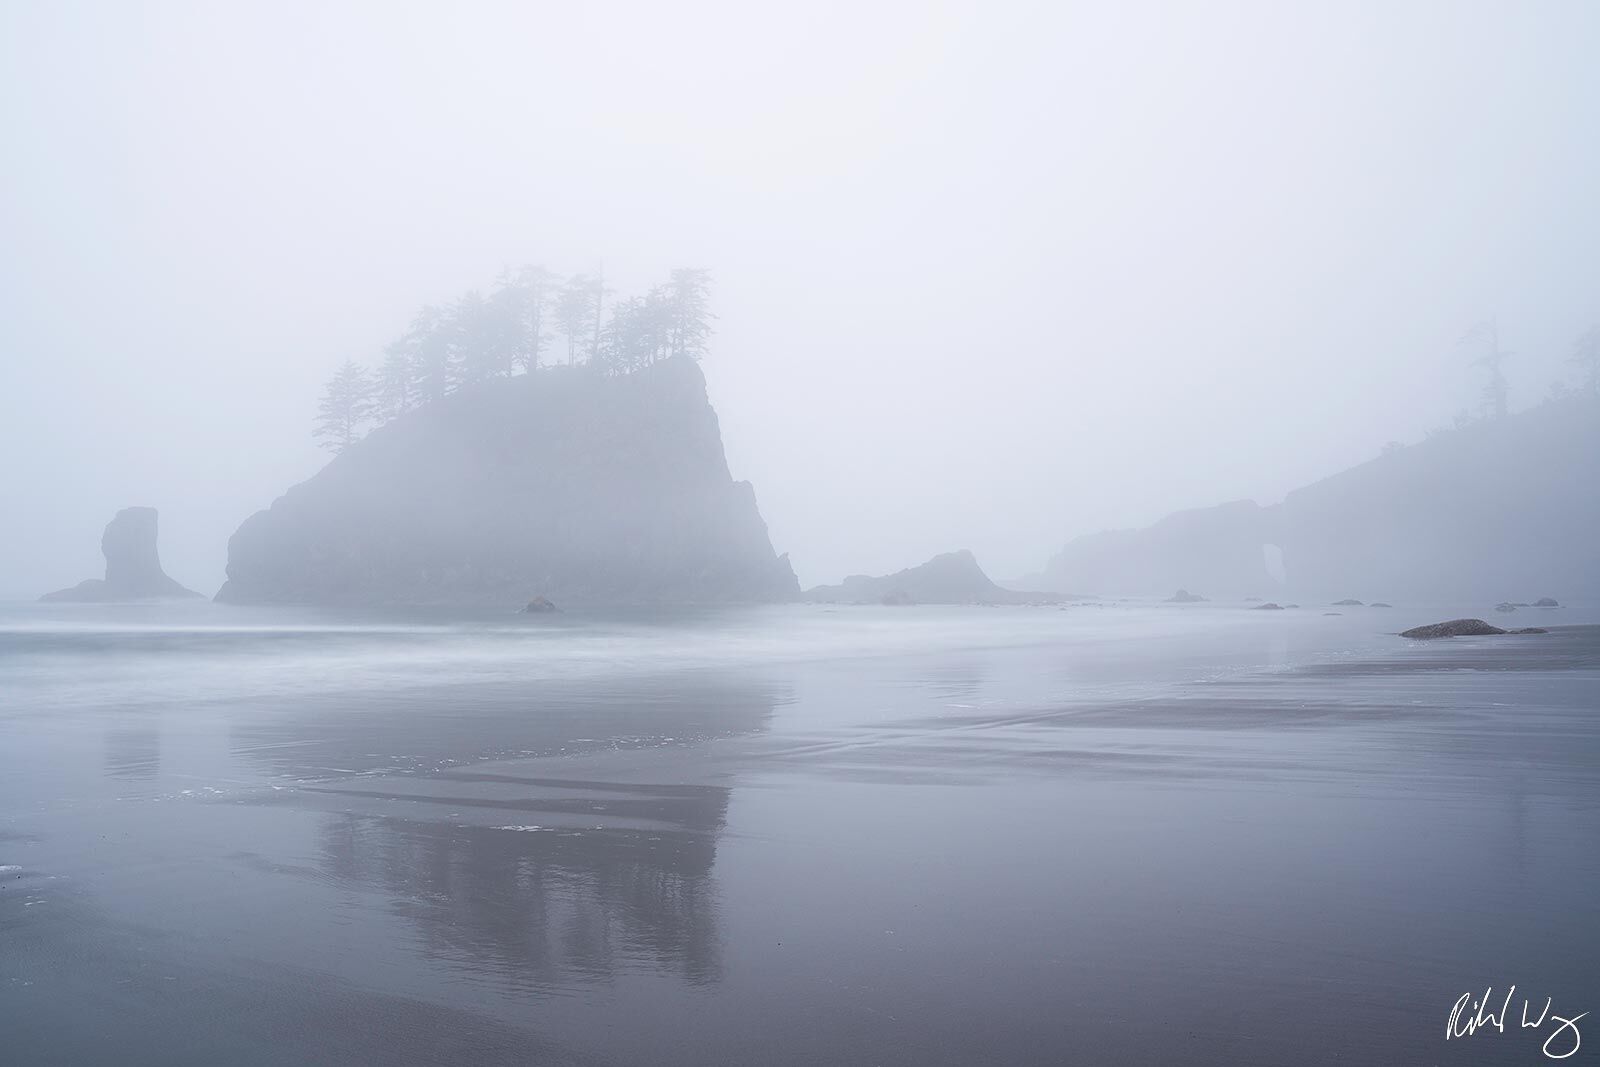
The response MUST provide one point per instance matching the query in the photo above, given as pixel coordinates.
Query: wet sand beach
(934, 836)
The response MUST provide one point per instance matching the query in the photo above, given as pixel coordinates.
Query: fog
(986, 276)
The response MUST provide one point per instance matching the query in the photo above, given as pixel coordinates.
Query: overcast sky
(989, 275)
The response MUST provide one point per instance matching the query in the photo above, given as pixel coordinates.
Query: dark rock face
(1471, 512)
(951, 578)
(595, 490)
(1183, 596)
(133, 568)
(1453, 628)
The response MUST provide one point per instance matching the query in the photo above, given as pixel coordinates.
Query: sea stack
(593, 489)
(949, 578)
(133, 567)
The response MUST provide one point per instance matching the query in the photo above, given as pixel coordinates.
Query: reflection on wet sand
(533, 881)
(345, 733)
(543, 905)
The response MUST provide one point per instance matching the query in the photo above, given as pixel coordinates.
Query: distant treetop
(508, 332)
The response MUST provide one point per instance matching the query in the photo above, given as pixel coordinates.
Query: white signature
(1464, 1023)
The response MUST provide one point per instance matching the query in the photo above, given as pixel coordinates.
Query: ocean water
(1111, 833)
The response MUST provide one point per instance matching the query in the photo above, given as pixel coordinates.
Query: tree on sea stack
(478, 338)
(346, 407)
(575, 313)
(635, 334)
(597, 292)
(536, 289)
(687, 300)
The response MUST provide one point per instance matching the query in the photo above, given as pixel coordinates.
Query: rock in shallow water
(1453, 628)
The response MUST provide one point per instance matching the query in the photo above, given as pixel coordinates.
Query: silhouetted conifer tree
(687, 312)
(1496, 393)
(575, 313)
(428, 341)
(479, 338)
(597, 293)
(399, 383)
(537, 289)
(346, 407)
(627, 342)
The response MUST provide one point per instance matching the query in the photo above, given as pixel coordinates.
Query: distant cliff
(1506, 508)
(951, 578)
(133, 567)
(566, 484)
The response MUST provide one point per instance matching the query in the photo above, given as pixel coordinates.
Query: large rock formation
(133, 568)
(1452, 628)
(561, 484)
(1217, 549)
(1498, 504)
(951, 578)
(1463, 628)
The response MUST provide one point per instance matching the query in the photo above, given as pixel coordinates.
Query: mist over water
(984, 279)
(922, 534)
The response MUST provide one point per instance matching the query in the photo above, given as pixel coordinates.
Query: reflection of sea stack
(133, 569)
